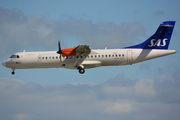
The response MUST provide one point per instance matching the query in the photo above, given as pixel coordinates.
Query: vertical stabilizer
(161, 38)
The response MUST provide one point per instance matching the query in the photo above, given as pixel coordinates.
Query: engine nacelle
(68, 52)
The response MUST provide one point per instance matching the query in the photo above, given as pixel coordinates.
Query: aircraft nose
(4, 64)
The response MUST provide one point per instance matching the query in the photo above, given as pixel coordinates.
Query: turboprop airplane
(82, 57)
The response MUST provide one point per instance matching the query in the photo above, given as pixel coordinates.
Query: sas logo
(159, 42)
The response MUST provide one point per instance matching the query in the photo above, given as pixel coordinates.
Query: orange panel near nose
(68, 52)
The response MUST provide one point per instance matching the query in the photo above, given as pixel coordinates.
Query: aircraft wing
(82, 49)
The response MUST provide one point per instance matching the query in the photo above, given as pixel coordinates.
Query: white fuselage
(103, 57)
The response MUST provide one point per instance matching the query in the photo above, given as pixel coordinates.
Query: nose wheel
(13, 72)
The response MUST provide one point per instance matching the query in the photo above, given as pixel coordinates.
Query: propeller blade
(59, 46)
(59, 52)
(60, 57)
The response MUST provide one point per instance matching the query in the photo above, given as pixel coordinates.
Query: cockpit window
(14, 56)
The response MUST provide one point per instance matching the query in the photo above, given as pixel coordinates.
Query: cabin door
(129, 56)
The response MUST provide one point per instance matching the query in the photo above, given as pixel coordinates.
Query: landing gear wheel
(13, 72)
(81, 71)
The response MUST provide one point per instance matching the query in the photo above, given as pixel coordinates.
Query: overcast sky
(147, 90)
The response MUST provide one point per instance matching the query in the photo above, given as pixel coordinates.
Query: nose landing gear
(13, 71)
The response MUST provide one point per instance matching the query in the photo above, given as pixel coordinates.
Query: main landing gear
(81, 70)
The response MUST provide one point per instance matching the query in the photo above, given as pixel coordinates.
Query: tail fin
(161, 38)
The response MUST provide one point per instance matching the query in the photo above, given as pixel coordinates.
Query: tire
(81, 71)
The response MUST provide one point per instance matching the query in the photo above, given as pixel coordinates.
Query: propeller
(59, 52)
